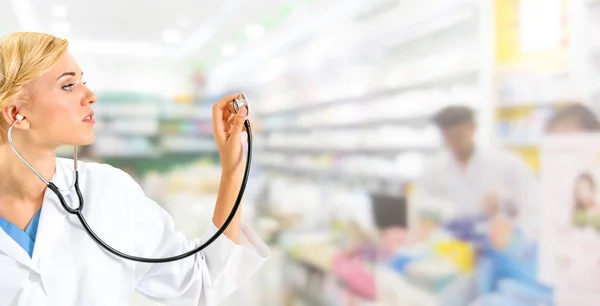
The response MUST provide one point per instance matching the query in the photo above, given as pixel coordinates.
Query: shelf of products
(147, 132)
(462, 75)
(521, 127)
(532, 82)
(327, 139)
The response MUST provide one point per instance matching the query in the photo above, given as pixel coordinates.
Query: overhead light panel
(171, 36)
(59, 11)
(196, 40)
(255, 31)
(228, 49)
(119, 48)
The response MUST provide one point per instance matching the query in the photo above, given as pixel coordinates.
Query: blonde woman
(46, 258)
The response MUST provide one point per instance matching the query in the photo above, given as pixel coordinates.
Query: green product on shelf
(163, 163)
(129, 97)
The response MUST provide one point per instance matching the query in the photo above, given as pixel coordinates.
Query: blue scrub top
(26, 239)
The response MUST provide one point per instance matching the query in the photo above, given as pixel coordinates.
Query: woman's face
(585, 192)
(59, 111)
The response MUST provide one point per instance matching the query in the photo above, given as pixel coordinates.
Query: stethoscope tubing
(78, 211)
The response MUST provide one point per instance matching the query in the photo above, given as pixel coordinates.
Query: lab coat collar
(51, 222)
(64, 177)
(11, 248)
(53, 216)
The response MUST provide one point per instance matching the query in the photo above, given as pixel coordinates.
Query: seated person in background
(478, 181)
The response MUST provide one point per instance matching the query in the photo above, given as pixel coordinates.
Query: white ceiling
(338, 33)
(316, 31)
(136, 27)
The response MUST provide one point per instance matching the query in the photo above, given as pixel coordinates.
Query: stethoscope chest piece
(238, 103)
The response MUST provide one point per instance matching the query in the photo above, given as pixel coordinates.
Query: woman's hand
(227, 130)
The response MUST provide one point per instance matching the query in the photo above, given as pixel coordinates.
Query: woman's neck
(17, 182)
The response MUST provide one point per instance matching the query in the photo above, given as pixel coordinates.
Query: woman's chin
(84, 140)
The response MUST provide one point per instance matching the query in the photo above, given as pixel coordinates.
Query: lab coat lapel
(11, 248)
(53, 216)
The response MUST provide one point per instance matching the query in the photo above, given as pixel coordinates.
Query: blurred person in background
(576, 118)
(573, 118)
(519, 263)
(477, 181)
(45, 256)
(585, 204)
(486, 185)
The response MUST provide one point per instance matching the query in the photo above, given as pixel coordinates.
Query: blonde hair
(25, 56)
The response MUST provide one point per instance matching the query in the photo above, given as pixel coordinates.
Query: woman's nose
(90, 97)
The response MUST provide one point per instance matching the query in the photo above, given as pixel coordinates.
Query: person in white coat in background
(476, 181)
(46, 257)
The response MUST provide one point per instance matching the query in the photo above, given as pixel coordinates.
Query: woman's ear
(11, 114)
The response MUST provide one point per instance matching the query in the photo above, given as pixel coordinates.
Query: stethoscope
(234, 107)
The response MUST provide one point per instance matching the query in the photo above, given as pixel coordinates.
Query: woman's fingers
(238, 123)
(219, 110)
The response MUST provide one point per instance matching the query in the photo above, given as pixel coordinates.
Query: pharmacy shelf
(306, 296)
(519, 143)
(161, 162)
(391, 184)
(164, 154)
(125, 133)
(415, 28)
(201, 135)
(467, 76)
(536, 104)
(384, 152)
(416, 121)
(328, 174)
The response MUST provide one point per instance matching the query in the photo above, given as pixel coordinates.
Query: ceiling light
(61, 29)
(196, 40)
(59, 11)
(184, 22)
(228, 49)
(120, 48)
(171, 36)
(255, 31)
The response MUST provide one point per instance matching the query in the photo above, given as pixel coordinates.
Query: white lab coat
(69, 269)
(488, 171)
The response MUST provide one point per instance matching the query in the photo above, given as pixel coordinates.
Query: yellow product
(460, 253)
(530, 155)
(317, 255)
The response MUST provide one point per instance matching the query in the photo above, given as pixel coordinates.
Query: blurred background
(402, 153)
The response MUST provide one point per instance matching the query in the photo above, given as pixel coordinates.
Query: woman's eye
(68, 87)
